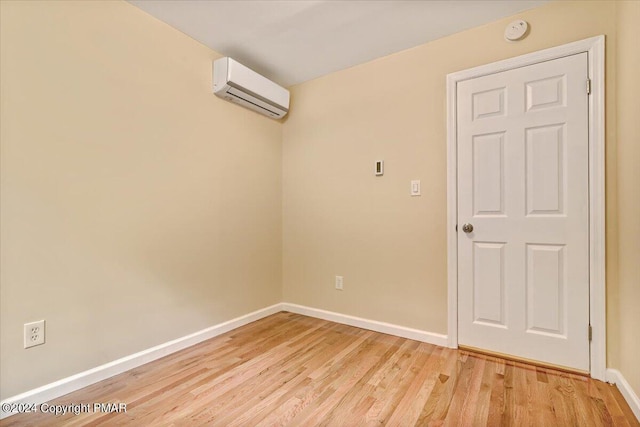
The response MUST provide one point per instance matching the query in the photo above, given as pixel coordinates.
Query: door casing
(594, 47)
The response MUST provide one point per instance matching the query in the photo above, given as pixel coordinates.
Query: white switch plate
(415, 187)
(33, 334)
(339, 281)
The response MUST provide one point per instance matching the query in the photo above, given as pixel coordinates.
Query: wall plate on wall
(379, 167)
(516, 30)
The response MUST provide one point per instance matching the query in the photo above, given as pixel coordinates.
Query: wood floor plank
(462, 381)
(481, 411)
(395, 389)
(297, 388)
(293, 370)
(437, 405)
(360, 396)
(410, 407)
(614, 407)
(540, 407)
(497, 399)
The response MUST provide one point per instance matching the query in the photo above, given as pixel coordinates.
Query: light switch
(415, 187)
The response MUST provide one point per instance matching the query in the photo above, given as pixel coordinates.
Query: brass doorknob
(467, 228)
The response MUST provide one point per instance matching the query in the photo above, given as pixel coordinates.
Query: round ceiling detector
(516, 30)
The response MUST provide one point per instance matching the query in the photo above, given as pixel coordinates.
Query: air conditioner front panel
(240, 76)
(234, 82)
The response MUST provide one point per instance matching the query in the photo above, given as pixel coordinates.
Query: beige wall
(136, 206)
(339, 219)
(628, 124)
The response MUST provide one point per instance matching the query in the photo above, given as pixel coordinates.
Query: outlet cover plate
(33, 334)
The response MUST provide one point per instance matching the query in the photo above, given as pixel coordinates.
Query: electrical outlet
(339, 280)
(33, 334)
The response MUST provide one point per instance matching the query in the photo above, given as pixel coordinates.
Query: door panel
(523, 272)
(545, 170)
(488, 174)
(546, 303)
(488, 284)
(546, 93)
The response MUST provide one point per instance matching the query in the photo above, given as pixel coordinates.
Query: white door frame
(594, 47)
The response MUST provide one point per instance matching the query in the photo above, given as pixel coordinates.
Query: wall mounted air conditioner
(236, 83)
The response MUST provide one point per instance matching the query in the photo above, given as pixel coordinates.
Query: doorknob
(467, 228)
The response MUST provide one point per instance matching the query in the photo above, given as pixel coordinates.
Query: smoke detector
(516, 30)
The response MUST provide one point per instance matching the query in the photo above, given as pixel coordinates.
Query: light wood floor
(289, 369)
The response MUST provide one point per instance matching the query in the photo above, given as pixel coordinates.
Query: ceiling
(291, 42)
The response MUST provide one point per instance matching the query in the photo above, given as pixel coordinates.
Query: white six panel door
(523, 272)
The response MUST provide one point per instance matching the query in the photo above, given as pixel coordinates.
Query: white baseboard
(92, 376)
(372, 325)
(83, 379)
(614, 376)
